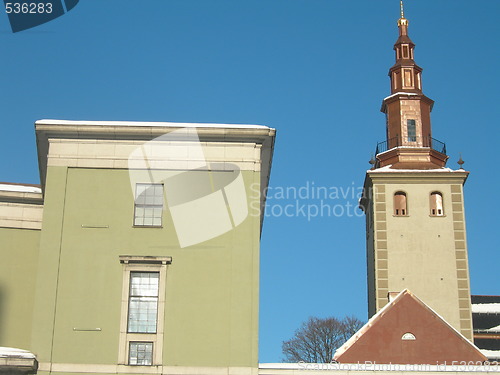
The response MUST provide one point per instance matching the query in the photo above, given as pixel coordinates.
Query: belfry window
(411, 128)
(436, 203)
(405, 52)
(400, 205)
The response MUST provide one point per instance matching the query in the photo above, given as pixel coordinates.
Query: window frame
(142, 264)
(145, 206)
(142, 298)
(140, 342)
(411, 124)
(394, 209)
(433, 204)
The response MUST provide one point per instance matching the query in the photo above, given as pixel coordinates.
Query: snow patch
(400, 93)
(14, 352)
(20, 188)
(491, 354)
(494, 329)
(487, 308)
(388, 168)
(146, 123)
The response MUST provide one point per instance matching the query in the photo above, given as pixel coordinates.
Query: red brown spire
(405, 74)
(408, 112)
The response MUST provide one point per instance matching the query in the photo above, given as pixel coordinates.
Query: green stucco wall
(18, 270)
(211, 310)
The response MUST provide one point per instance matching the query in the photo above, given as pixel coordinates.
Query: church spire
(402, 18)
(408, 112)
(405, 74)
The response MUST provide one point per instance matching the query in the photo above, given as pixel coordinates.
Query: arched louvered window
(400, 204)
(437, 208)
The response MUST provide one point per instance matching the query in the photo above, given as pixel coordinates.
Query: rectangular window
(411, 127)
(142, 310)
(148, 205)
(143, 302)
(140, 354)
(405, 52)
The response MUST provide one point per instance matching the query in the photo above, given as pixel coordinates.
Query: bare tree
(317, 339)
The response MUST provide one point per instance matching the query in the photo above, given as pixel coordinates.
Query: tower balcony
(411, 152)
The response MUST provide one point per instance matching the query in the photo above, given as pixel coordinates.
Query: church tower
(414, 208)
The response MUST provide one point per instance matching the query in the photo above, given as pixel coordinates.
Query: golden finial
(402, 20)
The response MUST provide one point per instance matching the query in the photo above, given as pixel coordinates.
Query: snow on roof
(382, 311)
(491, 354)
(19, 188)
(494, 329)
(486, 308)
(14, 352)
(365, 328)
(388, 168)
(146, 123)
(400, 93)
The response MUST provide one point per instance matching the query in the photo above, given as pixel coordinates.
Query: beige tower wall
(426, 254)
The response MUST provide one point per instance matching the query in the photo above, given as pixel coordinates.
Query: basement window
(140, 354)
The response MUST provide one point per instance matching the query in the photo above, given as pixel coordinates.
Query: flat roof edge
(84, 123)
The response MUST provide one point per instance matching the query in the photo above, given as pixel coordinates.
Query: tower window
(437, 204)
(408, 77)
(400, 206)
(405, 52)
(411, 128)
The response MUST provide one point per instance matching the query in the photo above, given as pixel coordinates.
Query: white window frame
(148, 206)
(142, 264)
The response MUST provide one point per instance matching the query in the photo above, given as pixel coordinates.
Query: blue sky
(316, 70)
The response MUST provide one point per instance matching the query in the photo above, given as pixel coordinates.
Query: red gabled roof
(407, 331)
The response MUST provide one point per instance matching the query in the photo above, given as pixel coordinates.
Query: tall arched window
(400, 205)
(437, 208)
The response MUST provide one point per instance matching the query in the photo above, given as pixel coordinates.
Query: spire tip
(402, 20)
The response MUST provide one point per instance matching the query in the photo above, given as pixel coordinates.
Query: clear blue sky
(316, 70)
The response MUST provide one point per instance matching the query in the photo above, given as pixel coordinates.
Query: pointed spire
(408, 112)
(402, 22)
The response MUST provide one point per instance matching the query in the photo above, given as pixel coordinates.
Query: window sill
(437, 215)
(147, 226)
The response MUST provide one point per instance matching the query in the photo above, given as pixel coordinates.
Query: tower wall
(426, 254)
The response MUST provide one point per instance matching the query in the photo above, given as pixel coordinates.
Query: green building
(140, 251)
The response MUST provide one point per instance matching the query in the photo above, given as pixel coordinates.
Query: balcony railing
(411, 142)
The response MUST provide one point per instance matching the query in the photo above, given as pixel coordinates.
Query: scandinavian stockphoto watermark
(308, 200)
(26, 14)
(451, 366)
(206, 199)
